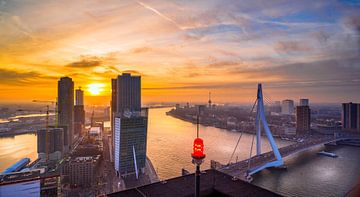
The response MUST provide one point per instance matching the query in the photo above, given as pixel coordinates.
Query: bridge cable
(252, 144)
(232, 155)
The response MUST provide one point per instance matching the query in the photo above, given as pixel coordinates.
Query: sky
(182, 49)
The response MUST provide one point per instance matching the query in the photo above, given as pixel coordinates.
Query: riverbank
(19, 132)
(290, 138)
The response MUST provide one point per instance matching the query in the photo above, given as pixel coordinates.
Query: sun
(95, 88)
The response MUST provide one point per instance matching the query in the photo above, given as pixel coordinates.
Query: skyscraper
(113, 107)
(130, 143)
(79, 112)
(287, 107)
(303, 117)
(129, 125)
(79, 97)
(55, 143)
(128, 97)
(351, 117)
(66, 107)
(304, 102)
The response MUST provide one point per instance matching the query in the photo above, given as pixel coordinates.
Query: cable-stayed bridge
(245, 168)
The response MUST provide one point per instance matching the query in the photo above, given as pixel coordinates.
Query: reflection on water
(170, 145)
(16, 147)
(309, 174)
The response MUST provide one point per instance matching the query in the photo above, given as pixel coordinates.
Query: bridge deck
(239, 169)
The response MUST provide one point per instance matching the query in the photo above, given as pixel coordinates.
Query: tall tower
(66, 108)
(128, 96)
(303, 117)
(79, 112)
(350, 117)
(79, 97)
(129, 125)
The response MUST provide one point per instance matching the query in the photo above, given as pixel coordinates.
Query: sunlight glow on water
(170, 145)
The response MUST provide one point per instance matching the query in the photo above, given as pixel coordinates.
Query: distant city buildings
(275, 108)
(79, 113)
(303, 117)
(66, 107)
(350, 117)
(287, 107)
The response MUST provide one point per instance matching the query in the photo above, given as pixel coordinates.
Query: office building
(82, 170)
(350, 117)
(113, 107)
(304, 102)
(79, 97)
(66, 107)
(129, 125)
(287, 107)
(55, 143)
(303, 118)
(128, 97)
(130, 143)
(79, 113)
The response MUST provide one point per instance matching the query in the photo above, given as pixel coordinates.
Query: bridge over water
(241, 169)
(244, 169)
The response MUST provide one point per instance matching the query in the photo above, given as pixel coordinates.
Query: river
(170, 145)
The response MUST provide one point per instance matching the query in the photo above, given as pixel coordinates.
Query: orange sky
(182, 49)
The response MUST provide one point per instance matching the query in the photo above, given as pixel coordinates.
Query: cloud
(354, 23)
(160, 14)
(13, 77)
(291, 47)
(86, 62)
(142, 50)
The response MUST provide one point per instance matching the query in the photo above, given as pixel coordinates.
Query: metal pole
(197, 122)
(197, 181)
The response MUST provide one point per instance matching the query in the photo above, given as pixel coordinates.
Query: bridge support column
(260, 118)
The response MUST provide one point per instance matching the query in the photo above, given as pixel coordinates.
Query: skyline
(183, 49)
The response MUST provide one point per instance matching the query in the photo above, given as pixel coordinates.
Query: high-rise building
(113, 102)
(79, 97)
(304, 102)
(303, 118)
(55, 143)
(113, 107)
(287, 107)
(79, 113)
(130, 143)
(66, 107)
(351, 117)
(128, 97)
(129, 125)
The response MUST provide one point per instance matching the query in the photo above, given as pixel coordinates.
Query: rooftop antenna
(198, 156)
(209, 100)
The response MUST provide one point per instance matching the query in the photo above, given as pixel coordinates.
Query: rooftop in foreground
(212, 183)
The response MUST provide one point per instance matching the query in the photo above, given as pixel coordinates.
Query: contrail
(160, 14)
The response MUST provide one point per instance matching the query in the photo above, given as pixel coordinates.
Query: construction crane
(47, 125)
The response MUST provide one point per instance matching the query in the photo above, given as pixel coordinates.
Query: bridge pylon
(261, 119)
